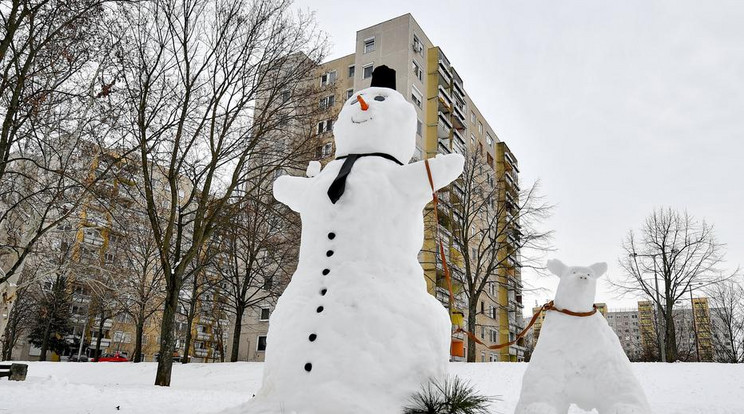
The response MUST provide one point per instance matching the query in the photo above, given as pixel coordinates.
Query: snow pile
(98, 388)
(579, 359)
(356, 331)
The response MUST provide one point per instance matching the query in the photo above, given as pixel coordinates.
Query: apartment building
(447, 121)
(626, 326)
(694, 329)
(99, 249)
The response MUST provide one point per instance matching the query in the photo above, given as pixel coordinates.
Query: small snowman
(356, 330)
(578, 358)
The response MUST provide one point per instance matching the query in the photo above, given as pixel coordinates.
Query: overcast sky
(617, 107)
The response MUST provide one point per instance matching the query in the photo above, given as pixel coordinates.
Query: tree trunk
(189, 323)
(101, 322)
(472, 313)
(45, 340)
(9, 339)
(167, 339)
(236, 335)
(7, 349)
(670, 339)
(140, 325)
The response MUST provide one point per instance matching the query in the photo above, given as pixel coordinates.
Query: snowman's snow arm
(413, 178)
(291, 190)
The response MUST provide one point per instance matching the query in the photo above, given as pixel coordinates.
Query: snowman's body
(579, 360)
(356, 330)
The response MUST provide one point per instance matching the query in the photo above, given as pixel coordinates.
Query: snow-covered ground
(99, 388)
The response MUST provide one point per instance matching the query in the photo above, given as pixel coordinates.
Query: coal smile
(361, 121)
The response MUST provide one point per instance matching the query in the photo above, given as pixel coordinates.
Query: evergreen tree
(52, 321)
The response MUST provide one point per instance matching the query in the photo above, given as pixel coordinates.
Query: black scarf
(339, 184)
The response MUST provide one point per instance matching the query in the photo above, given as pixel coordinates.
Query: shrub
(450, 396)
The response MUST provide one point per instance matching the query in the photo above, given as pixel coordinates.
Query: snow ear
(599, 269)
(556, 267)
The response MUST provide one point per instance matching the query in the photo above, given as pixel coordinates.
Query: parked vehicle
(117, 357)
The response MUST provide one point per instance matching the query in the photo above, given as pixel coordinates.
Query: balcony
(511, 162)
(442, 148)
(203, 336)
(105, 342)
(458, 117)
(457, 88)
(200, 353)
(444, 126)
(445, 101)
(445, 76)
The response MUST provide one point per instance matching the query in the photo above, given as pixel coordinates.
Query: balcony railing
(444, 73)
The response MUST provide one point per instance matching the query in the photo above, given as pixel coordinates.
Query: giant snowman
(356, 331)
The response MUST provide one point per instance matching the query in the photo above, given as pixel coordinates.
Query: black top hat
(383, 77)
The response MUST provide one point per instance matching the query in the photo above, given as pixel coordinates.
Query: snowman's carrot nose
(362, 103)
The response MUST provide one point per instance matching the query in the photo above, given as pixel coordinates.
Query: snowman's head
(578, 285)
(376, 119)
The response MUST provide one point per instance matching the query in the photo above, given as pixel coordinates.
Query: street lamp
(661, 342)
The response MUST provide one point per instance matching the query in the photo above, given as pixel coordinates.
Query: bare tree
(141, 289)
(205, 84)
(198, 291)
(52, 60)
(495, 227)
(260, 242)
(20, 317)
(727, 314)
(673, 253)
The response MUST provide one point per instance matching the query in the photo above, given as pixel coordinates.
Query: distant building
(626, 326)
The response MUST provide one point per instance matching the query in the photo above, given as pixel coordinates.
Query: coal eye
(379, 98)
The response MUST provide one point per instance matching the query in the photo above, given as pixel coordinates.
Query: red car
(117, 357)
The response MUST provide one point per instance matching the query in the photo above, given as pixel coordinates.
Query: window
(261, 343)
(325, 126)
(489, 140)
(268, 282)
(418, 47)
(264, 314)
(369, 45)
(367, 71)
(327, 150)
(419, 126)
(349, 93)
(328, 101)
(352, 69)
(480, 127)
(472, 138)
(328, 78)
(285, 96)
(417, 72)
(416, 96)
(483, 356)
(472, 117)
